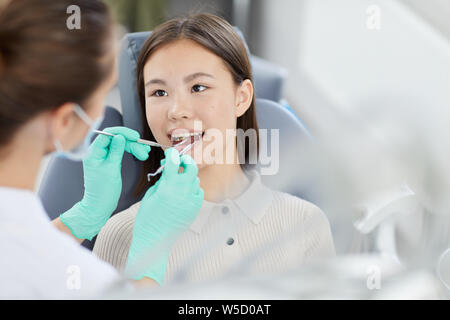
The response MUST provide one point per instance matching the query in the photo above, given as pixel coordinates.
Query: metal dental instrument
(160, 169)
(147, 142)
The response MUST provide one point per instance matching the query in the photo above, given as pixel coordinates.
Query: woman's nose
(180, 110)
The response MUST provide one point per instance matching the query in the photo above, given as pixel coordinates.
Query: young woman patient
(194, 78)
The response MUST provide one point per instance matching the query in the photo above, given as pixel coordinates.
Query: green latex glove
(167, 209)
(102, 181)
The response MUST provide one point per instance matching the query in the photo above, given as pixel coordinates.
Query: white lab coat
(37, 261)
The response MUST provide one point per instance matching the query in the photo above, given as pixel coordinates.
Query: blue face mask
(81, 151)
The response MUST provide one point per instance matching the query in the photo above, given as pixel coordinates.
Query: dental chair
(62, 184)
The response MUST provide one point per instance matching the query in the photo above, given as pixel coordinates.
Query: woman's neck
(220, 182)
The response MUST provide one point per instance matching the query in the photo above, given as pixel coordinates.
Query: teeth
(181, 136)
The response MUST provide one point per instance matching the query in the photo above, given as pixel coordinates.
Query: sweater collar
(253, 203)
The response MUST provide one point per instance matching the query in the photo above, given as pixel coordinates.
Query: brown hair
(43, 63)
(216, 35)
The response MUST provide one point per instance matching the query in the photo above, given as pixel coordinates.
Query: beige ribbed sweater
(261, 231)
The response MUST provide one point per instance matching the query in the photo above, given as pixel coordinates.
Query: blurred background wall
(144, 15)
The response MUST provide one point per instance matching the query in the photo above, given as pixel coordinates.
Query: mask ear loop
(83, 115)
(58, 145)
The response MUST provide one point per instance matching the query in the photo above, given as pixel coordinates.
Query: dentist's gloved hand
(166, 211)
(102, 181)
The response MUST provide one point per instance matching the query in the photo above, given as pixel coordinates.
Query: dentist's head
(54, 56)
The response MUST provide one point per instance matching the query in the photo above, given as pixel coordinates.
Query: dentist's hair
(44, 63)
(214, 34)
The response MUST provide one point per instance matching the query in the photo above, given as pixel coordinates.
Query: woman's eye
(159, 93)
(199, 88)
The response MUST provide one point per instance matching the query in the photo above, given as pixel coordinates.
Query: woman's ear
(244, 97)
(61, 123)
(62, 118)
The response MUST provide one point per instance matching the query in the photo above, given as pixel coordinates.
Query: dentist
(53, 81)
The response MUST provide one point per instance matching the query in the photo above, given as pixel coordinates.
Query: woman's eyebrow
(196, 75)
(155, 81)
(186, 79)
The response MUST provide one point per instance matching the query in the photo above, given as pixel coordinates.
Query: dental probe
(147, 142)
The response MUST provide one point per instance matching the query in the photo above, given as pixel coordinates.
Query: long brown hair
(216, 35)
(43, 63)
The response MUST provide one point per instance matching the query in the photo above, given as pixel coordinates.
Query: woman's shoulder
(287, 204)
(316, 230)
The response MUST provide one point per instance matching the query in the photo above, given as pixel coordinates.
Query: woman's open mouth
(181, 140)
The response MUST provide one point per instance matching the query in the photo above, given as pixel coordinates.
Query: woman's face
(189, 90)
